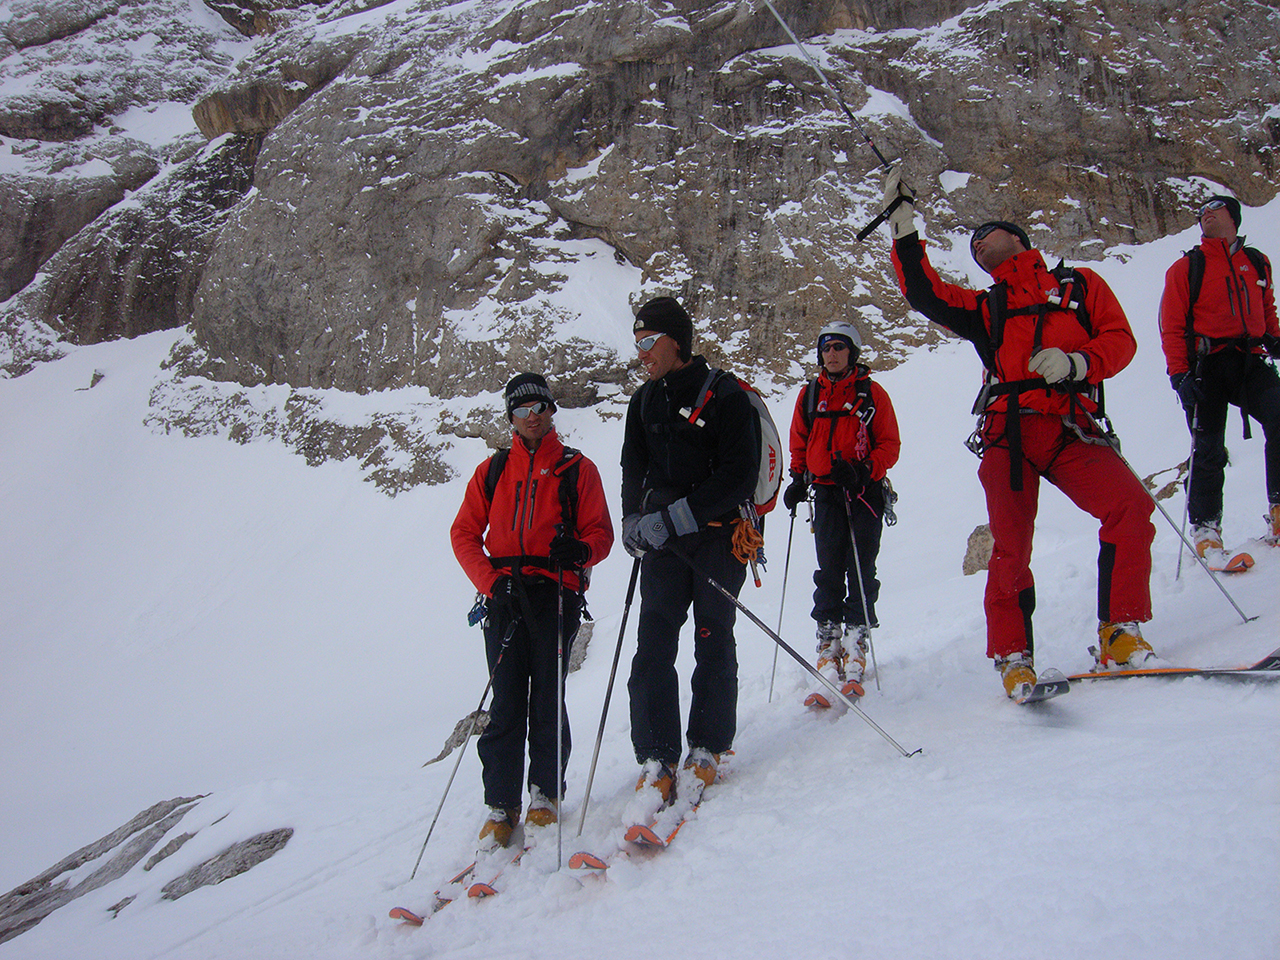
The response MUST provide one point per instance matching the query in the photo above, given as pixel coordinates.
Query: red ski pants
(1097, 481)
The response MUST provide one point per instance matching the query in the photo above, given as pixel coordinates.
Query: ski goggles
(537, 408)
(646, 343)
(983, 232)
(1212, 205)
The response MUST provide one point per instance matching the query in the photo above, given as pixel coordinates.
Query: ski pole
(782, 602)
(851, 704)
(901, 198)
(1165, 513)
(559, 714)
(862, 590)
(475, 718)
(827, 83)
(1186, 500)
(604, 712)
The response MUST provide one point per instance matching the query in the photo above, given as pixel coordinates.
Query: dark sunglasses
(833, 345)
(523, 413)
(1212, 205)
(982, 233)
(646, 343)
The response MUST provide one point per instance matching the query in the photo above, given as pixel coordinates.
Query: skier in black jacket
(690, 456)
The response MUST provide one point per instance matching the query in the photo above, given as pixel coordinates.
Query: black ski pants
(836, 596)
(1248, 381)
(524, 696)
(668, 588)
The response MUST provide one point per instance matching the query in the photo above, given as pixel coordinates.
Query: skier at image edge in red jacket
(1050, 360)
(490, 538)
(844, 438)
(1233, 328)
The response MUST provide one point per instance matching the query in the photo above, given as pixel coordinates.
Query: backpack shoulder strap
(1260, 263)
(1195, 280)
(705, 394)
(497, 463)
(810, 403)
(567, 470)
(1072, 288)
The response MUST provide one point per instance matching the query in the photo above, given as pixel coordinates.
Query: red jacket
(1233, 302)
(967, 312)
(876, 441)
(521, 520)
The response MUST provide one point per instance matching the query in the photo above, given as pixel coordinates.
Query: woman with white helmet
(844, 439)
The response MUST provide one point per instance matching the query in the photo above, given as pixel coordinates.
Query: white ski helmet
(841, 330)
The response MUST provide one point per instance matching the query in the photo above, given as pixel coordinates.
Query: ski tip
(583, 860)
(852, 688)
(1240, 563)
(644, 835)
(406, 915)
(481, 889)
(817, 701)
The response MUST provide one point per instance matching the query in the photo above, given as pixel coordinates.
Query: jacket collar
(1020, 268)
(548, 450)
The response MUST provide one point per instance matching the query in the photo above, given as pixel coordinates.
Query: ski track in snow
(196, 616)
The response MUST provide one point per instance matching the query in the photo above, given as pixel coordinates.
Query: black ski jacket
(665, 457)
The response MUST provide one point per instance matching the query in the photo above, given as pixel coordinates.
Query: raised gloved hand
(1057, 365)
(902, 221)
(796, 493)
(1188, 389)
(502, 599)
(568, 553)
(853, 475)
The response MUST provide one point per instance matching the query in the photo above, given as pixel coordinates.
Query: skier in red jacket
(1046, 349)
(543, 517)
(1215, 348)
(844, 439)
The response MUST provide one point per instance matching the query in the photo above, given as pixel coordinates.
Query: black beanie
(1233, 206)
(1013, 228)
(665, 315)
(525, 387)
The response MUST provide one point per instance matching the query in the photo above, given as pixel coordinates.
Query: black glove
(853, 475)
(568, 553)
(1272, 345)
(1188, 389)
(796, 493)
(503, 599)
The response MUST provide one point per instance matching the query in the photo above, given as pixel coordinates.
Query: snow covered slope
(187, 617)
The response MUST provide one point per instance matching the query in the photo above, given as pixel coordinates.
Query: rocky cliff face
(441, 187)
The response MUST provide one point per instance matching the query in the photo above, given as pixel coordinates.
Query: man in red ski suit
(544, 517)
(844, 439)
(1215, 348)
(1044, 360)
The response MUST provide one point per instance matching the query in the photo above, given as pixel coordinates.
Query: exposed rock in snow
(124, 848)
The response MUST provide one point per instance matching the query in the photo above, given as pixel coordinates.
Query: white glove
(903, 219)
(1055, 365)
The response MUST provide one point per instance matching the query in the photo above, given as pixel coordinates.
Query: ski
(408, 916)
(663, 829)
(586, 862)
(487, 887)
(1268, 668)
(1051, 683)
(1230, 563)
(443, 897)
(821, 699)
